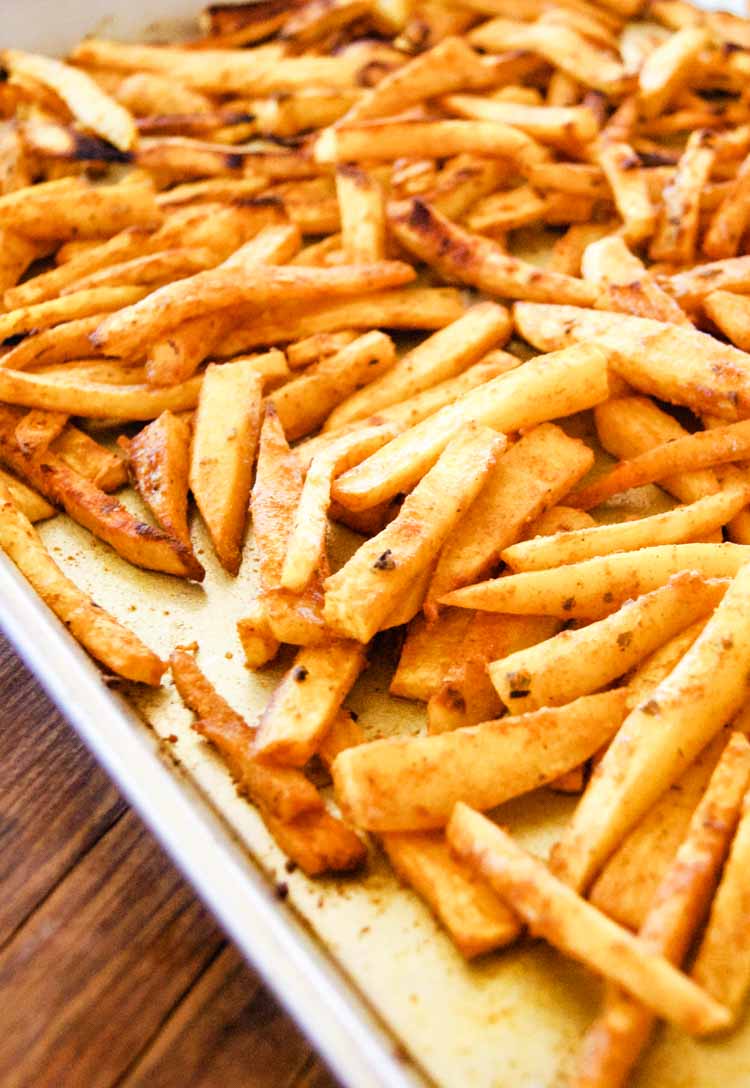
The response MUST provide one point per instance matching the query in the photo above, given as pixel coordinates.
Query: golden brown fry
(666, 69)
(86, 456)
(59, 344)
(96, 400)
(362, 212)
(159, 462)
(102, 635)
(152, 270)
(568, 250)
(59, 310)
(731, 313)
(558, 125)
(29, 502)
(73, 213)
(625, 284)
(225, 438)
(622, 168)
(317, 842)
(310, 349)
(254, 632)
(675, 238)
(692, 286)
(306, 701)
(360, 596)
(36, 430)
(428, 651)
(730, 220)
(554, 911)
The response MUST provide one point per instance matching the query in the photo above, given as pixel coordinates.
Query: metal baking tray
(359, 963)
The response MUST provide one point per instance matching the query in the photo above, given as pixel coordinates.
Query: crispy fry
(489, 763)
(534, 474)
(254, 631)
(360, 596)
(96, 400)
(547, 387)
(558, 125)
(555, 912)
(622, 168)
(38, 429)
(504, 211)
(56, 311)
(62, 215)
(17, 253)
(576, 663)
(730, 220)
(731, 313)
(427, 653)
(152, 270)
(362, 212)
(310, 349)
(29, 502)
(306, 701)
(318, 842)
(625, 283)
(225, 438)
(59, 344)
(666, 69)
(613, 1042)
(691, 287)
(443, 355)
(677, 232)
(690, 705)
(568, 250)
(86, 456)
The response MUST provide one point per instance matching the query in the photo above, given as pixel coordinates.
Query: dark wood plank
(55, 803)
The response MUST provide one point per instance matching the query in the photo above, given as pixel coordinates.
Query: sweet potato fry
(554, 911)
(101, 634)
(306, 701)
(225, 438)
(361, 594)
(489, 763)
(428, 652)
(702, 692)
(548, 387)
(159, 462)
(613, 1042)
(576, 663)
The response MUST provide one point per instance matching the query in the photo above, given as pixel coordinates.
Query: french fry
(310, 349)
(730, 220)
(559, 519)
(416, 308)
(625, 283)
(86, 101)
(666, 69)
(681, 525)
(217, 288)
(464, 180)
(362, 211)
(476, 920)
(101, 634)
(489, 763)
(281, 791)
(86, 456)
(306, 544)
(472, 259)
(692, 286)
(153, 270)
(621, 167)
(288, 115)
(704, 449)
(554, 911)
(360, 595)
(62, 215)
(37, 430)
(722, 965)
(731, 314)
(254, 632)
(17, 253)
(317, 842)
(613, 1042)
(59, 344)
(576, 663)
(629, 426)
(557, 125)
(306, 701)
(410, 602)
(548, 387)
(595, 587)
(442, 356)
(303, 403)
(466, 695)
(578, 179)
(159, 462)
(703, 691)
(225, 438)
(533, 474)
(144, 93)
(316, 19)
(96, 400)
(29, 502)
(710, 377)
(568, 250)
(427, 653)
(504, 211)
(677, 232)
(56, 311)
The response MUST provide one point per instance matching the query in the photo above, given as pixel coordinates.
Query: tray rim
(301, 972)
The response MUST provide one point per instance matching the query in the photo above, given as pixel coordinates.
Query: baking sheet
(509, 1021)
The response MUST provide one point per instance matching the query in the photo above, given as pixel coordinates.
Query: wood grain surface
(111, 972)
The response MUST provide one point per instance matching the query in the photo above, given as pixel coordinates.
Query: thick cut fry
(625, 283)
(693, 286)
(704, 449)
(560, 519)
(629, 426)
(306, 546)
(344, 732)
(463, 181)
(317, 842)
(427, 653)
(731, 314)
(214, 289)
(281, 791)
(576, 663)
(303, 403)
(722, 966)
(96, 400)
(548, 387)
(256, 637)
(37, 430)
(56, 311)
(554, 911)
(664, 733)
(558, 125)
(361, 594)
(394, 139)
(671, 362)
(79, 213)
(117, 648)
(489, 763)
(306, 701)
(159, 462)
(730, 220)
(594, 588)
(666, 69)
(578, 179)
(678, 224)
(613, 1042)
(362, 211)
(85, 99)
(681, 525)
(477, 921)
(86, 456)
(29, 502)
(459, 255)
(466, 695)
(622, 169)
(533, 475)
(225, 438)
(440, 357)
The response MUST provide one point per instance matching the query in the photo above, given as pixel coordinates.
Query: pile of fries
(205, 251)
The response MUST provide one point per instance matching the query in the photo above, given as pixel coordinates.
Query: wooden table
(111, 972)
